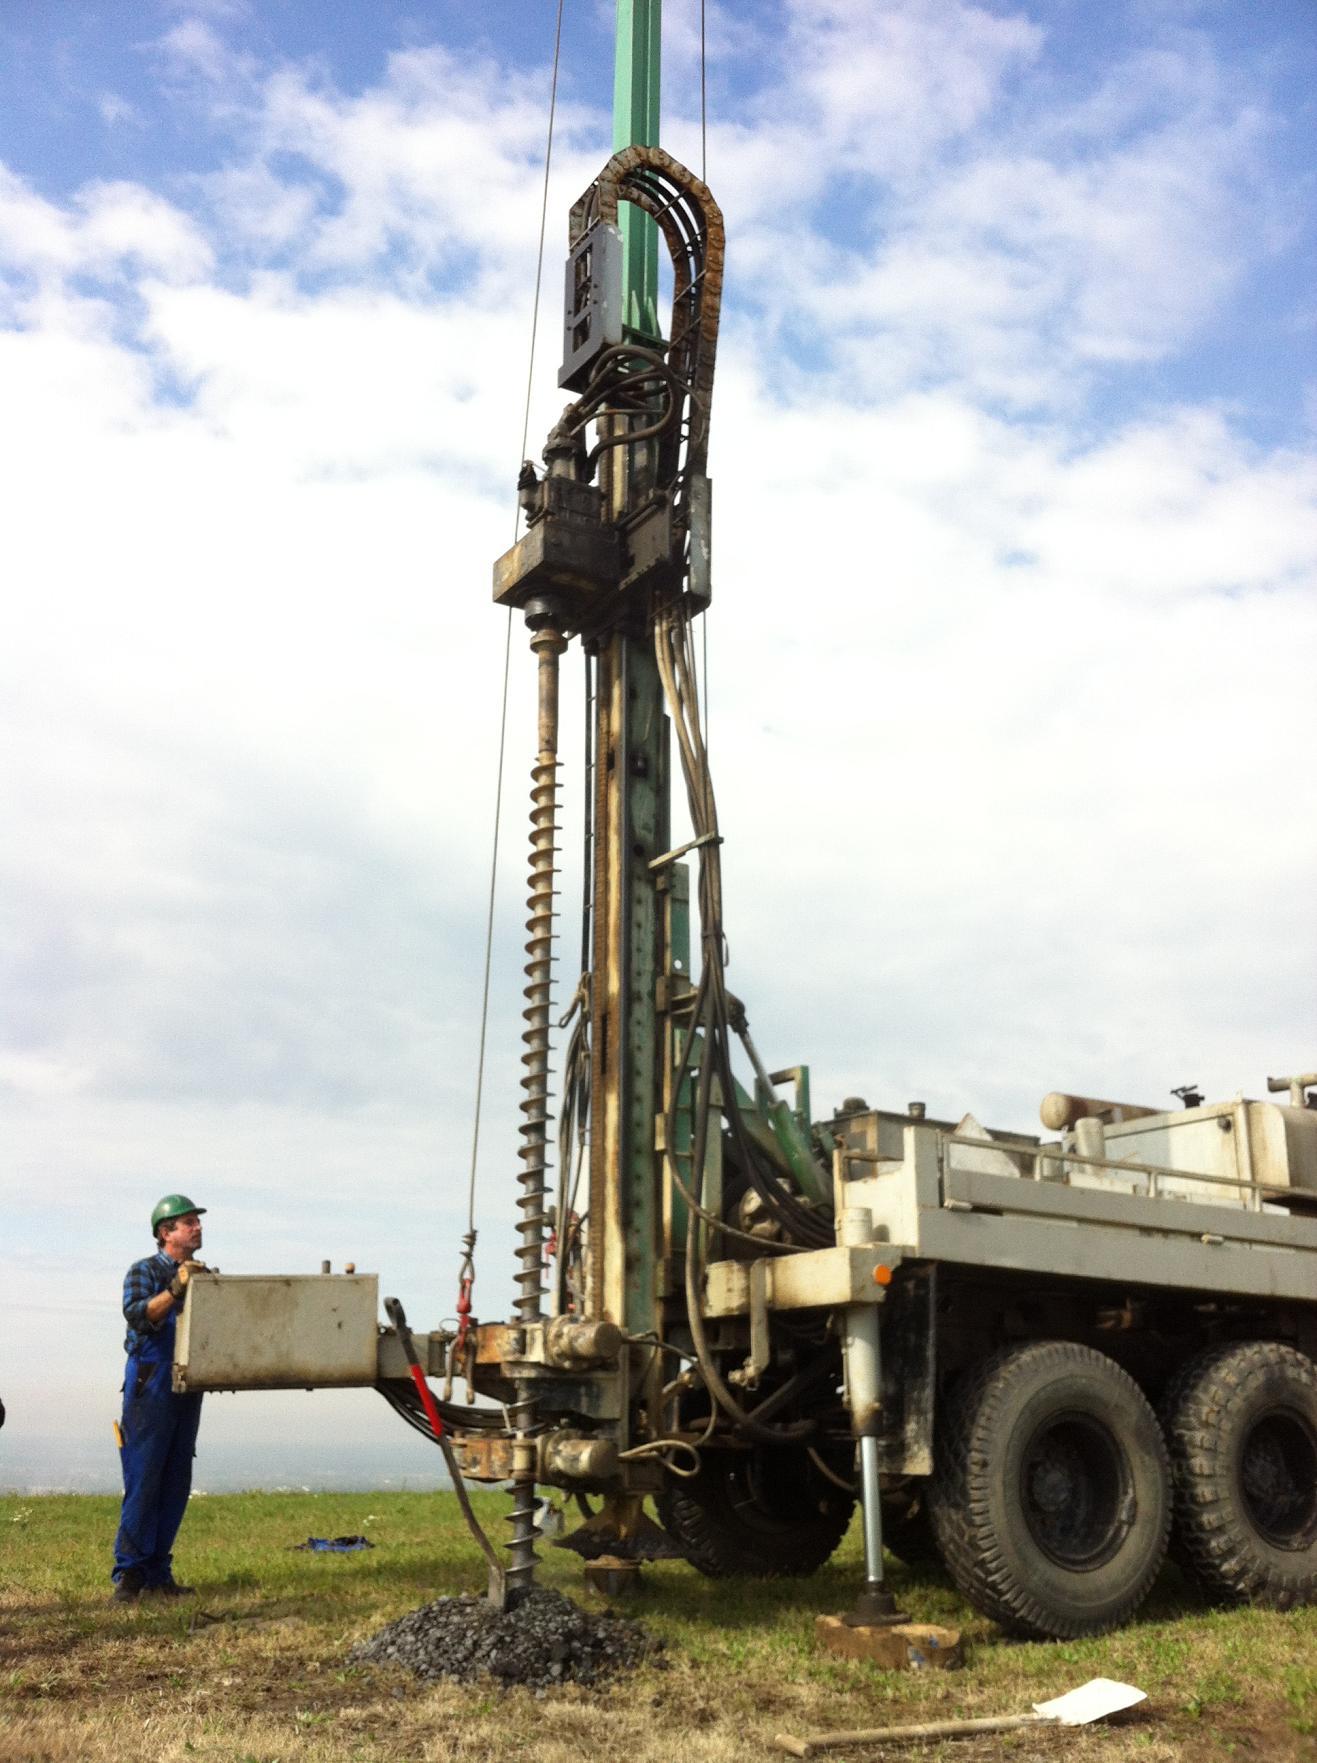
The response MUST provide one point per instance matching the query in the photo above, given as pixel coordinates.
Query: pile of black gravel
(546, 1640)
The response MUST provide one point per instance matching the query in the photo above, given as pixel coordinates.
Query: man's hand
(178, 1285)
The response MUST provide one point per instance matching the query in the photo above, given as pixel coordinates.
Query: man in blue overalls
(159, 1429)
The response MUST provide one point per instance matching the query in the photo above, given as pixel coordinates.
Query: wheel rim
(1076, 1491)
(1278, 1479)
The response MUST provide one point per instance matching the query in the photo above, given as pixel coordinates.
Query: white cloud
(922, 206)
(435, 163)
(112, 228)
(891, 86)
(257, 209)
(193, 47)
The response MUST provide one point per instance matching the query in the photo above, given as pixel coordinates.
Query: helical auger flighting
(520, 1576)
(547, 645)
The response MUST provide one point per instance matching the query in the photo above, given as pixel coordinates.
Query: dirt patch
(1268, 1738)
(547, 1640)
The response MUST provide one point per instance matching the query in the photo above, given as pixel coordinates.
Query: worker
(158, 1433)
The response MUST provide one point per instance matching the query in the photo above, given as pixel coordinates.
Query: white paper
(1091, 1701)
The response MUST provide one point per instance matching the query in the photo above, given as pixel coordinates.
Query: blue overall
(159, 1437)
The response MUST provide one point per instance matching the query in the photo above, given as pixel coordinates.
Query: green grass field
(254, 1669)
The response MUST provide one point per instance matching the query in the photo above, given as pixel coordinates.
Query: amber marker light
(882, 1274)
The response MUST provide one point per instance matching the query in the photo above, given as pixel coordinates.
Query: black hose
(789, 1434)
(402, 1396)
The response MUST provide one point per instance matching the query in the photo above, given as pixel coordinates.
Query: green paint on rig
(783, 1136)
(645, 778)
(636, 124)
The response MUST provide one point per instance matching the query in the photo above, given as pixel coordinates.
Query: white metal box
(278, 1332)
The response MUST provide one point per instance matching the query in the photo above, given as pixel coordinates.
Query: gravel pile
(546, 1640)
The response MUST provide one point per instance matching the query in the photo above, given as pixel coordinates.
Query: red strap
(427, 1401)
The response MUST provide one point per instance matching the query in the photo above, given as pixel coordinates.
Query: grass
(254, 1669)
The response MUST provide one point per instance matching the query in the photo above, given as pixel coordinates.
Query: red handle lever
(427, 1401)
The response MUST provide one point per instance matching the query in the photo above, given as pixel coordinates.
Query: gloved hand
(178, 1285)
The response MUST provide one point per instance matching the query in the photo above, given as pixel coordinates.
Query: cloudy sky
(1011, 655)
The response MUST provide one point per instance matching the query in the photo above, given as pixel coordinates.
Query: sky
(1014, 449)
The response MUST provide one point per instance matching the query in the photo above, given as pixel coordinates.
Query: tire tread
(960, 1502)
(1214, 1542)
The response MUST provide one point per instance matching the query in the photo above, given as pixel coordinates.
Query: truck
(1038, 1361)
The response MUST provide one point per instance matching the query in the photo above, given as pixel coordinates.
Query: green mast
(631, 806)
(636, 124)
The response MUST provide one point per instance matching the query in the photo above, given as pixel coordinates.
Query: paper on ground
(1091, 1701)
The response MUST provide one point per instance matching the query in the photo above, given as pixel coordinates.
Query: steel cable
(507, 641)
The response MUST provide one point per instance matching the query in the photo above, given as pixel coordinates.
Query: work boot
(128, 1587)
(172, 1589)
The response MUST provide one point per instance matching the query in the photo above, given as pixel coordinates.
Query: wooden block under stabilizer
(904, 1646)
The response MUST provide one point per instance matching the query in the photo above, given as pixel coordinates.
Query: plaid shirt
(142, 1282)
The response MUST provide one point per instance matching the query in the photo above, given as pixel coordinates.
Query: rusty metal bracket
(761, 1351)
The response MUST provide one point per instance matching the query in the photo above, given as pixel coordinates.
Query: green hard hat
(172, 1206)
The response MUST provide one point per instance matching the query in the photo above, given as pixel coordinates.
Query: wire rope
(507, 646)
(704, 179)
(704, 104)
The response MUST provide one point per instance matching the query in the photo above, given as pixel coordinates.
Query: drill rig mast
(616, 554)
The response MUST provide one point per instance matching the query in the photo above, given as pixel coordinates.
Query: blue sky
(1016, 481)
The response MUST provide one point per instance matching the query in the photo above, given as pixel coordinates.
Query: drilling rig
(1036, 1360)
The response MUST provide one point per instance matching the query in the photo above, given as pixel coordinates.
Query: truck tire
(1241, 1422)
(1051, 1499)
(761, 1514)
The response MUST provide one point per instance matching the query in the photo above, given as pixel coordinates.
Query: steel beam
(636, 124)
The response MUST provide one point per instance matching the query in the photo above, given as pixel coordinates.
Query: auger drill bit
(547, 644)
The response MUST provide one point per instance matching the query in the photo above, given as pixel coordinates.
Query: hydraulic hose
(434, 1425)
(790, 1433)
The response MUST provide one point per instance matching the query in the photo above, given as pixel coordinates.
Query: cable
(507, 644)
(704, 178)
(573, 1131)
(788, 1434)
(712, 1010)
(763, 1245)
(712, 1020)
(824, 1469)
(403, 1399)
(704, 105)
(544, 220)
(660, 1448)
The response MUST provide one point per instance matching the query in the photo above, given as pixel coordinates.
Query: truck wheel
(762, 1514)
(1241, 1422)
(1051, 1498)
